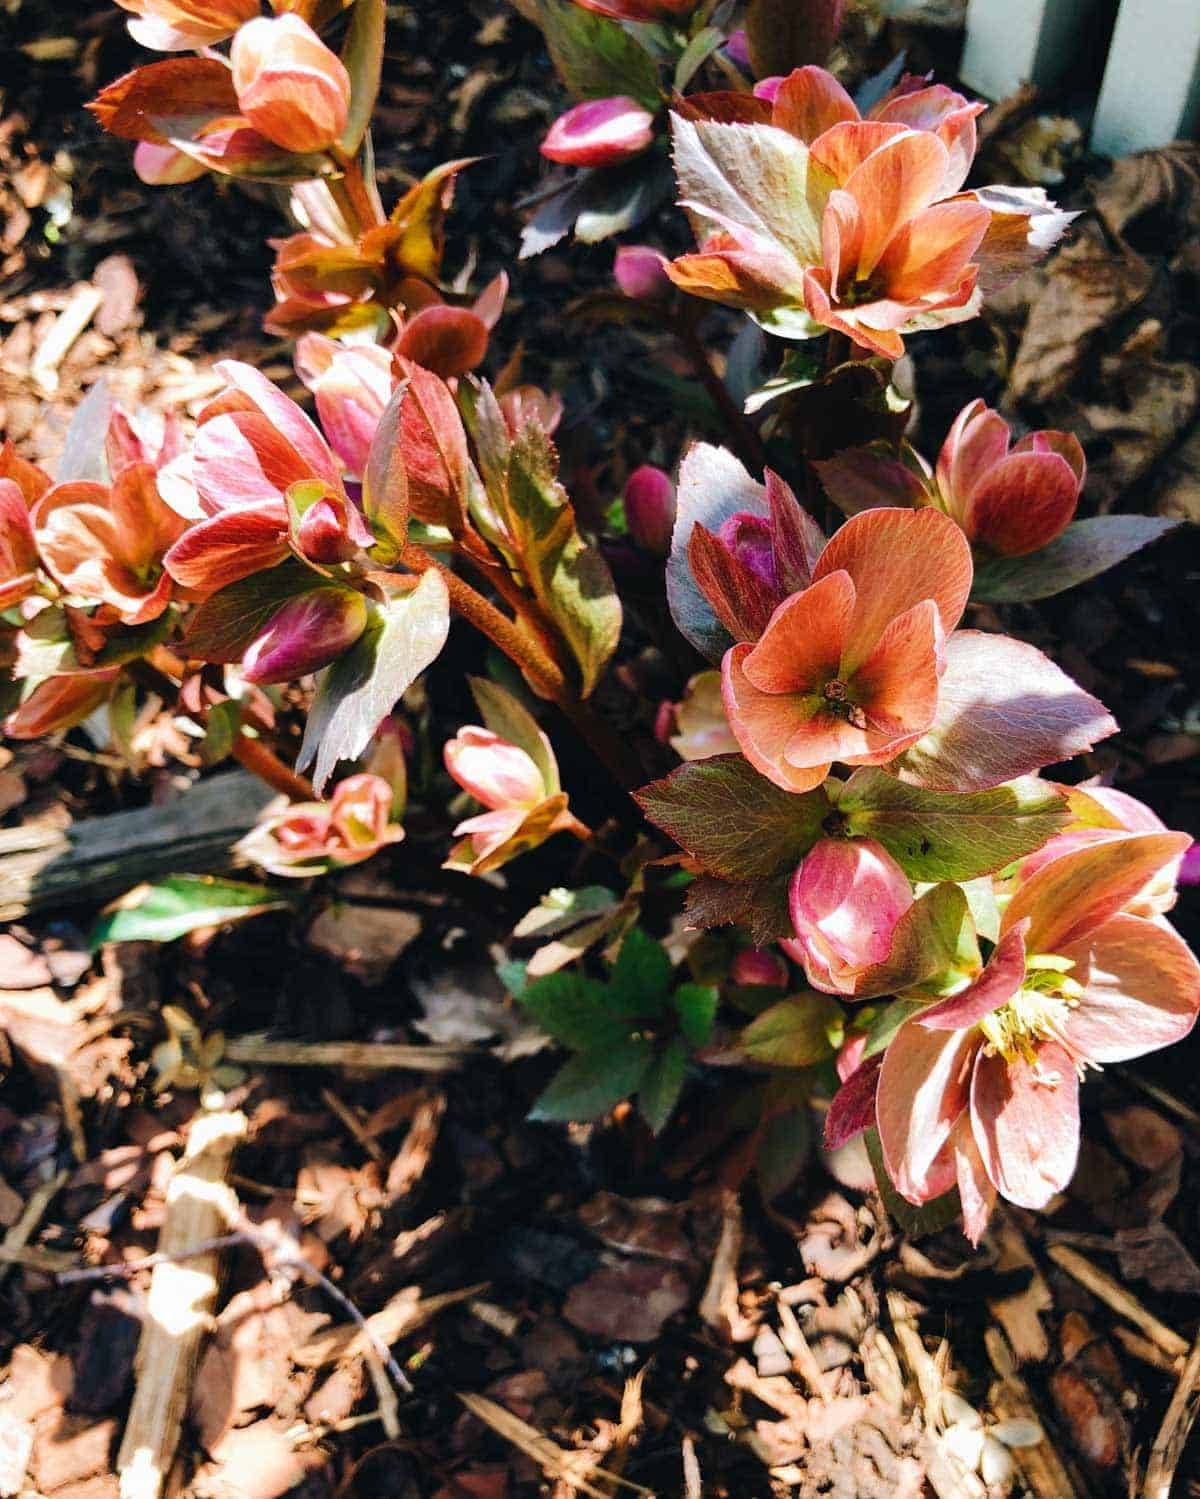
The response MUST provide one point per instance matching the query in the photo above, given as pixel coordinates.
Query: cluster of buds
(311, 838)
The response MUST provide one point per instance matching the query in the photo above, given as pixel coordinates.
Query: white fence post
(1151, 89)
(1011, 42)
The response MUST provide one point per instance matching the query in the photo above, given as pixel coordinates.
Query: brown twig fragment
(24, 1228)
(1173, 1433)
(199, 1202)
(1010, 1398)
(365, 1056)
(1115, 1296)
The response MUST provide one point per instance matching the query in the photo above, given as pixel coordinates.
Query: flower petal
(975, 1190)
(994, 987)
(228, 547)
(1141, 990)
(930, 253)
(802, 645)
(896, 558)
(1022, 503)
(923, 1091)
(764, 724)
(897, 685)
(811, 101)
(893, 185)
(240, 459)
(1069, 898)
(285, 416)
(978, 439)
(1025, 1119)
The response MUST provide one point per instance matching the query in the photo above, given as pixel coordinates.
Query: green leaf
(168, 909)
(934, 937)
(361, 688)
(640, 977)
(916, 1222)
(595, 1081)
(573, 1010)
(507, 716)
(559, 910)
(362, 54)
(696, 1005)
(796, 1032)
(570, 579)
(596, 57)
(940, 835)
(221, 729)
(696, 54)
(738, 824)
(662, 1085)
(761, 906)
(225, 623)
(512, 973)
(1084, 550)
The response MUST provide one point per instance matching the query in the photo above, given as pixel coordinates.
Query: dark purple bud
(748, 537)
(308, 633)
(650, 509)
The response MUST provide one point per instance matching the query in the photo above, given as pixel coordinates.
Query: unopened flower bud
(289, 85)
(641, 273)
(650, 509)
(495, 772)
(307, 633)
(599, 132)
(164, 166)
(755, 967)
(748, 537)
(846, 899)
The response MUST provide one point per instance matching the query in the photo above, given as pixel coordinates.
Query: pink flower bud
(289, 85)
(164, 166)
(737, 50)
(351, 386)
(650, 509)
(641, 273)
(308, 633)
(360, 811)
(599, 132)
(332, 530)
(755, 967)
(768, 88)
(846, 899)
(749, 538)
(495, 772)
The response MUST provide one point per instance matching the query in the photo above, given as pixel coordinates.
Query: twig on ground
(1011, 1399)
(179, 1304)
(1173, 1433)
(366, 1056)
(26, 1225)
(1115, 1296)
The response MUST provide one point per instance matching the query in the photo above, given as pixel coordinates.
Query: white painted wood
(1151, 89)
(1011, 42)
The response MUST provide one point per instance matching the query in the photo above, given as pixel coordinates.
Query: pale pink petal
(1141, 989)
(240, 459)
(1069, 898)
(1025, 1118)
(995, 986)
(978, 439)
(923, 1089)
(285, 416)
(845, 899)
(975, 1190)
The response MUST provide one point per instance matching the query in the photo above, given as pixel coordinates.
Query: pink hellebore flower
(846, 899)
(289, 85)
(310, 838)
(266, 482)
(650, 509)
(351, 384)
(107, 544)
(847, 669)
(982, 1089)
(1008, 500)
(183, 25)
(524, 808)
(599, 132)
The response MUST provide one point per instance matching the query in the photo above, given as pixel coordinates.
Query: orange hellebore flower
(182, 25)
(848, 669)
(106, 543)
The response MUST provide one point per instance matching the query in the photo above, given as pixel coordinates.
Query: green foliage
(168, 909)
(1084, 550)
(939, 835)
(596, 57)
(631, 1034)
(799, 1031)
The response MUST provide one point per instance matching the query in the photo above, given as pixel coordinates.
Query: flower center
(838, 701)
(1037, 1012)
